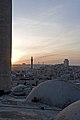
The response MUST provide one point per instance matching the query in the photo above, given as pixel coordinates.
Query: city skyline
(47, 30)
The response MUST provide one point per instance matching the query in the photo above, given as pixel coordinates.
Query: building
(66, 63)
(5, 44)
(31, 62)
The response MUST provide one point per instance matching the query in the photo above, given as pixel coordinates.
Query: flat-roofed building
(66, 62)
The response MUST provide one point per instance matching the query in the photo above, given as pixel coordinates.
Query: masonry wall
(5, 43)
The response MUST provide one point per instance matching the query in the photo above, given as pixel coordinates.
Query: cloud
(52, 33)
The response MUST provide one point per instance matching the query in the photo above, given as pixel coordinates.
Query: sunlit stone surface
(72, 112)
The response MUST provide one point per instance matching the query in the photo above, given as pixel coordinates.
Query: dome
(57, 93)
(72, 112)
(19, 90)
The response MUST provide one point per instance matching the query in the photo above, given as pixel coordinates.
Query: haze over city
(49, 30)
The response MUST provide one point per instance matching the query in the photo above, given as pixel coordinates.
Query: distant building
(31, 62)
(66, 63)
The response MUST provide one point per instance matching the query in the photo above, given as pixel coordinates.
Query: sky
(48, 30)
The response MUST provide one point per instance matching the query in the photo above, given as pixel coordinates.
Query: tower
(66, 63)
(5, 44)
(31, 62)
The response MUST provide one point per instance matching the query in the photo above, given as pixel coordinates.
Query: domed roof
(72, 112)
(19, 90)
(55, 93)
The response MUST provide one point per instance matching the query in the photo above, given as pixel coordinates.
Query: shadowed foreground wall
(5, 44)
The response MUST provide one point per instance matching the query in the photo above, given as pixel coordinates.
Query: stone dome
(72, 112)
(57, 93)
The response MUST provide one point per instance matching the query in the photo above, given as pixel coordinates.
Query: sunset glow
(47, 30)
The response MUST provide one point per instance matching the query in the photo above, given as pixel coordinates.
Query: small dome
(72, 112)
(19, 90)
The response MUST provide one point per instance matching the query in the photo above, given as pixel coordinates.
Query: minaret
(5, 44)
(31, 62)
